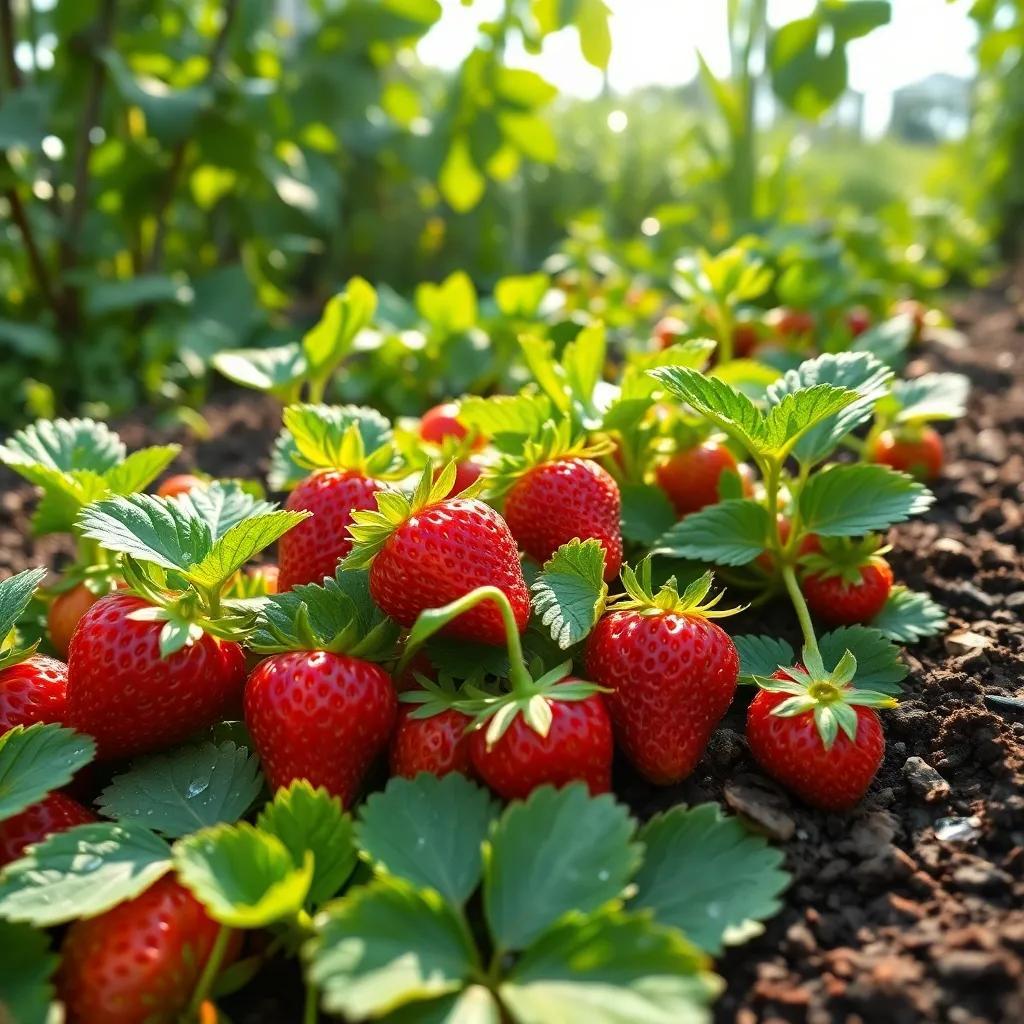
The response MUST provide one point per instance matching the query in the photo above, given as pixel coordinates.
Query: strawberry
(554, 502)
(844, 581)
(690, 478)
(858, 320)
(791, 324)
(745, 338)
(182, 483)
(428, 550)
(139, 962)
(34, 690)
(816, 734)
(54, 813)
(432, 734)
(668, 330)
(917, 451)
(65, 611)
(576, 744)
(311, 551)
(123, 691)
(319, 708)
(670, 671)
(443, 422)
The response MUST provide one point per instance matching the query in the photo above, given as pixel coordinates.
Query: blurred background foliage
(183, 177)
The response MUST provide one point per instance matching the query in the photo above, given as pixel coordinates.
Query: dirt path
(886, 922)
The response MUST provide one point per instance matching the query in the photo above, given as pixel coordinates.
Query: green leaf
(595, 35)
(449, 307)
(244, 540)
(140, 468)
(909, 616)
(222, 505)
(808, 74)
(304, 818)
(429, 831)
(244, 877)
(82, 872)
(506, 414)
(473, 1005)
(706, 875)
(559, 851)
(570, 592)
(799, 412)
(37, 760)
(610, 968)
(730, 532)
(520, 296)
(761, 655)
(583, 362)
(932, 396)
(878, 658)
(344, 316)
(646, 513)
(63, 445)
(854, 499)
(26, 991)
(887, 340)
(331, 436)
(105, 297)
(15, 594)
(460, 181)
(156, 530)
(277, 370)
(386, 945)
(23, 117)
(857, 371)
(187, 789)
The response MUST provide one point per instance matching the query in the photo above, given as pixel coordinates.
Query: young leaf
(222, 505)
(887, 340)
(932, 396)
(156, 530)
(559, 851)
(909, 616)
(26, 992)
(521, 414)
(646, 513)
(610, 968)
(335, 435)
(704, 874)
(386, 945)
(854, 499)
(239, 544)
(62, 446)
(761, 655)
(799, 412)
(187, 789)
(429, 831)
(858, 371)
(570, 592)
(37, 760)
(878, 658)
(344, 316)
(731, 532)
(304, 818)
(82, 872)
(277, 370)
(244, 877)
(140, 469)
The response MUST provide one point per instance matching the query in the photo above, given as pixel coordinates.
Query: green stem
(317, 390)
(725, 329)
(309, 1014)
(210, 972)
(795, 531)
(802, 612)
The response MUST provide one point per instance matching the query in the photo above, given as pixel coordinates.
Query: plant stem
(802, 612)
(309, 1014)
(210, 971)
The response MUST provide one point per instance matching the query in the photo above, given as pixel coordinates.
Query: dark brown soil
(885, 923)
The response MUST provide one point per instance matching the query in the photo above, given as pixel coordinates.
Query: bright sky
(656, 42)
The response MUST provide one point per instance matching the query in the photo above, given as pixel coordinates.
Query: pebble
(981, 877)
(966, 964)
(966, 642)
(924, 779)
(754, 805)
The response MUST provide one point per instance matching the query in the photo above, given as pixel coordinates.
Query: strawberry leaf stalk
(671, 671)
(154, 663)
(554, 492)
(321, 707)
(427, 550)
(553, 730)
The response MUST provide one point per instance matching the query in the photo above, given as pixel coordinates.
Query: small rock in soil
(761, 808)
(924, 779)
(966, 642)
(981, 877)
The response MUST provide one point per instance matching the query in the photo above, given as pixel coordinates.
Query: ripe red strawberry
(690, 478)
(139, 962)
(668, 330)
(917, 452)
(319, 716)
(122, 692)
(312, 550)
(846, 582)
(577, 746)
(671, 673)
(858, 320)
(467, 473)
(54, 813)
(429, 550)
(554, 502)
(791, 324)
(816, 735)
(443, 422)
(34, 690)
(438, 744)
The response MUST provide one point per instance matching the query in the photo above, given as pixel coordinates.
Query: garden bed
(885, 920)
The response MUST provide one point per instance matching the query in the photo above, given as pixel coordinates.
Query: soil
(887, 921)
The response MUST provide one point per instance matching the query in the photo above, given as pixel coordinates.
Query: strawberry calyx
(640, 595)
(433, 697)
(830, 696)
(844, 558)
(371, 530)
(349, 438)
(553, 442)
